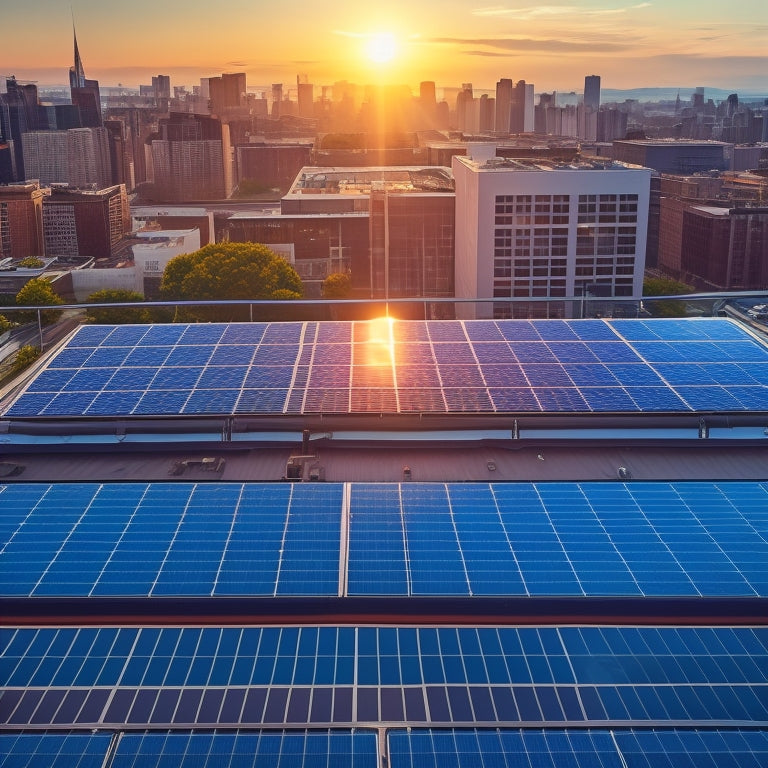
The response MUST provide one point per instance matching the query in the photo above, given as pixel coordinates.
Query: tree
(337, 286)
(25, 356)
(38, 292)
(5, 324)
(117, 315)
(664, 286)
(229, 271)
(32, 262)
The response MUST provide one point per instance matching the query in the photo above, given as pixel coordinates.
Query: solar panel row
(279, 539)
(454, 748)
(595, 748)
(212, 707)
(475, 366)
(382, 656)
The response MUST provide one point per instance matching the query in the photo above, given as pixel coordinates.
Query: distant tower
(592, 91)
(305, 95)
(85, 93)
(277, 98)
(503, 104)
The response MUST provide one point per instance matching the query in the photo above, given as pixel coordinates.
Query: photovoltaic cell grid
(240, 749)
(309, 749)
(289, 676)
(513, 366)
(54, 750)
(652, 539)
(474, 748)
(279, 539)
(166, 539)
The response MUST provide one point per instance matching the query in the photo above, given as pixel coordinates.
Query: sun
(381, 48)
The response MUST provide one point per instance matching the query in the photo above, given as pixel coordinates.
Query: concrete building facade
(529, 229)
(85, 223)
(21, 221)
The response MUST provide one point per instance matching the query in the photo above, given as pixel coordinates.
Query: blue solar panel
(545, 539)
(552, 748)
(248, 749)
(657, 365)
(495, 675)
(170, 539)
(54, 750)
(528, 749)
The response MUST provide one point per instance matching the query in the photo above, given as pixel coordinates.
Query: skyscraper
(592, 91)
(85, 92)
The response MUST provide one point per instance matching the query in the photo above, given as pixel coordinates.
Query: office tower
(486, 113)
(161, 85)
(277, 98)
(528, 108)
(504, 89)
(21, 220)
(464, 108)
(305, 95)
(427, 94)
(514, 106)
(80, 222)
(85, 92)
(226, 92)
(19, 113)
(88, 158)
(592, 91)
(554, 231)
(191, 158)
(46, 156)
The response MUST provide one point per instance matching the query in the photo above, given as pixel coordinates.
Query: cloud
(532, 44)
(539, 11)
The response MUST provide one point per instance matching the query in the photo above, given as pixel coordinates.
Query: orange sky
(674, 43)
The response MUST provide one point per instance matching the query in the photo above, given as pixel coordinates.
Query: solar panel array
(53, 750)
(409, 539)
(595, 748)
(328, 675)
(506, 366)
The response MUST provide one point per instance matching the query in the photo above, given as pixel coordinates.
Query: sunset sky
(673, 43)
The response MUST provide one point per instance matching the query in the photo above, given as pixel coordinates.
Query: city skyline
(681, 43)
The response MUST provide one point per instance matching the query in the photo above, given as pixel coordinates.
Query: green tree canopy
(117, 315)
(5, 324)
(337, 286)
(229, 271)
(31, 262)
(38, 292)
(665, 286)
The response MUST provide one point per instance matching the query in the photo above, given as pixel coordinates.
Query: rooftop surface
(540, 588)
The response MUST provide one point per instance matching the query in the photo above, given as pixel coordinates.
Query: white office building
(533, 228)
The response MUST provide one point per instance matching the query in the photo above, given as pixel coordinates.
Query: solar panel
(54, 750)
(166, 539)
(412, 539)
(552, 748)
(328, 675)
(483, 366)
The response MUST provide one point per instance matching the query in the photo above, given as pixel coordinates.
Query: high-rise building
(504, 89)
(227, 92)
(305, 95)
(88, 158)
(85, 92)
(592, 91)
(78, 157)
(85, 222)
(46, 156)
(191, 158)
(536, 229)
(162, 86)
(21, 220)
